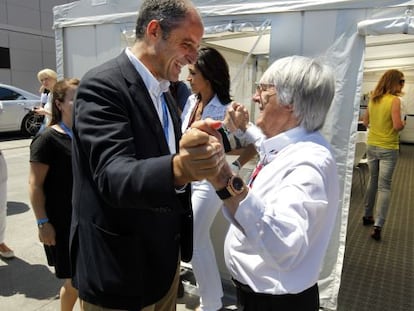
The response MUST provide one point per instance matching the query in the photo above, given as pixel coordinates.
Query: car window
(6, 94)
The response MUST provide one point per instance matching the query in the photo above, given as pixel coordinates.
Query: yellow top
(381, 132)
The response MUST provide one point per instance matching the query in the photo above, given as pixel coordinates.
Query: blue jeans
(381, 163)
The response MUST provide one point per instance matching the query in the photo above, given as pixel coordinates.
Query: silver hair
(305, 83)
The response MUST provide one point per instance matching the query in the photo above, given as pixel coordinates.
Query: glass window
(4, 58)
(6, 94)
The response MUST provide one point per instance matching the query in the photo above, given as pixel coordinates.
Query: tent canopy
(245, 27)
(347, 34)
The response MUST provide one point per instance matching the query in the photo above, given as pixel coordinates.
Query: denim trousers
(381, 163)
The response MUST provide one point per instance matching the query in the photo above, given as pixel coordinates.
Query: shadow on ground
(18, 276)
(14, 208)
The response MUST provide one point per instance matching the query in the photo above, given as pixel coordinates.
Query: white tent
(251, 35)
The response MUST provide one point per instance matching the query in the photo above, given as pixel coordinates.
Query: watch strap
(235, 185)
(223, 194)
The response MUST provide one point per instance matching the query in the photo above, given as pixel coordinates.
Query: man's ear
(154, 29)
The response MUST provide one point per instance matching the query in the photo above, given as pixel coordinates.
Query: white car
(16, 111)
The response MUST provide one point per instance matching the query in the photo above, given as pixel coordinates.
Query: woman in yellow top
(383, 118)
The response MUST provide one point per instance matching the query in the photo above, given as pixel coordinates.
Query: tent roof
(237, 25)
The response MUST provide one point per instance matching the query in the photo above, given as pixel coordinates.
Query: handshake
(201, 154)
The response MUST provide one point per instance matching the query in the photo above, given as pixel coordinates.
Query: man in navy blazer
(132, 218)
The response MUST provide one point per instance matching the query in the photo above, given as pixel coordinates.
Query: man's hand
(237, 117)
(201, 153)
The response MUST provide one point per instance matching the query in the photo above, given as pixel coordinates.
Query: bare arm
(397, 123)
(42, 111)
(37, 176)
(247, 154)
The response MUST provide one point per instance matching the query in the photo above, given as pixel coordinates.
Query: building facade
(27, 41)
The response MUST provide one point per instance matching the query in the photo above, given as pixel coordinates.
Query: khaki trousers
(167, 303)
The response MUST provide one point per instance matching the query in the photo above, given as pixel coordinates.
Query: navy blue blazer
(129, 224)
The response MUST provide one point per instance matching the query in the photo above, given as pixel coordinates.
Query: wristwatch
(235, 186)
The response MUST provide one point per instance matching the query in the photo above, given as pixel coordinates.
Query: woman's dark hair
(169, 13)
(215, 69)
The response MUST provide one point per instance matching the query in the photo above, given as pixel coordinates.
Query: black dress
(54, 149)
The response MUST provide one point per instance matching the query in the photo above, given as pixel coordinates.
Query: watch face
(238, 184)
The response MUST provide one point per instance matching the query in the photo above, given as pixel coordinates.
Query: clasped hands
(201, 154)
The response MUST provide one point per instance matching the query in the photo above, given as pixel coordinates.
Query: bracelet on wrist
(42, 221)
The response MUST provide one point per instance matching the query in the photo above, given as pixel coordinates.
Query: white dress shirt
(156, 89)
(279, 235)
(214, 109)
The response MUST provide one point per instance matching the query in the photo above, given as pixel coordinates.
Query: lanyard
(165, 122)
(67, 130)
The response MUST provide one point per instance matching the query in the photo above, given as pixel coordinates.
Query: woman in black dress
(50, 186)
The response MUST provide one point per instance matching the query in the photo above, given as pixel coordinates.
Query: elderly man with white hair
(281, 222)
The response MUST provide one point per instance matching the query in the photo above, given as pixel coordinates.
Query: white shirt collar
(155, 87)
(273, 145)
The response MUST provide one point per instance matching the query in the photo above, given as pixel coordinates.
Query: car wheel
(31, 124)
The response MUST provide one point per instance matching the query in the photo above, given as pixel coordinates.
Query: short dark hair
(215, 69)
(169, 13)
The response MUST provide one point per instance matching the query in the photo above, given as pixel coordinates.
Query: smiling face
(197, 81)
(178, 49)
(274, 118)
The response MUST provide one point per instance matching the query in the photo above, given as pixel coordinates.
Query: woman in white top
(48, 78)
(210, 82)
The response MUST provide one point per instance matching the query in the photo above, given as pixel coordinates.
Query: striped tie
(256, 171)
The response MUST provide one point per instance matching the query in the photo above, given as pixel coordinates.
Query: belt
(243, 287)
(247, 299)
(248, 290)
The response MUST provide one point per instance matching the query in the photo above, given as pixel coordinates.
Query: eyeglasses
(264, 93)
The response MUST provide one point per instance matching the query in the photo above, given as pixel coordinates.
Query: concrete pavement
(26, 282)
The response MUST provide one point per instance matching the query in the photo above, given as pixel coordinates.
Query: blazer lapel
(140, 95)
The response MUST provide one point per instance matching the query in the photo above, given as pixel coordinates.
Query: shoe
(367, 221)
(6, 252)
(376, 233)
